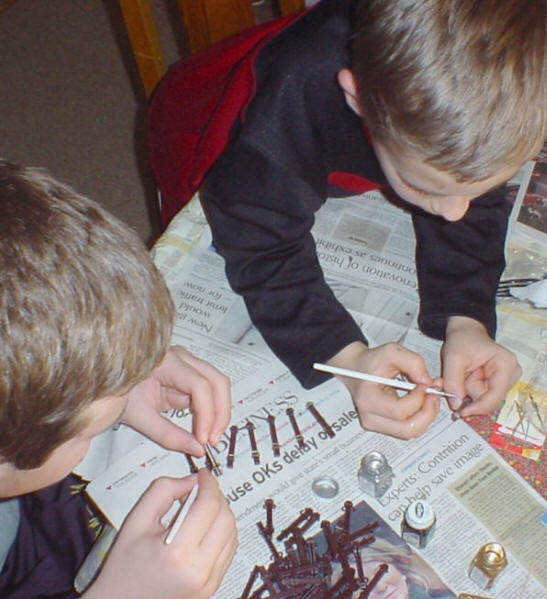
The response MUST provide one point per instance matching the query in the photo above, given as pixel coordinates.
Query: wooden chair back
(204, 21)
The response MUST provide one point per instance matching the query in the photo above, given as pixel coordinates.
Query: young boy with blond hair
(441, 100)
(85, 324)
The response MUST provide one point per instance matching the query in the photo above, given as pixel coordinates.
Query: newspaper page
(521, 424)
(476, 496)
(529, 193)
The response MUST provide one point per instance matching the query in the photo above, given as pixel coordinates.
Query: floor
(72, 101)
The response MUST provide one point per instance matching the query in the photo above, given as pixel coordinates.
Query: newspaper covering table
(365, 248)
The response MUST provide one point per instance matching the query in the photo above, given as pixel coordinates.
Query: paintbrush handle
(372, 378)
(181, 516)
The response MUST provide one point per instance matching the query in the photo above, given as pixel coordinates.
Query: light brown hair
(459, 83)
(84, 313)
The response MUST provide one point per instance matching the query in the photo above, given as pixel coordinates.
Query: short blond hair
(84, 313)
(460, 83)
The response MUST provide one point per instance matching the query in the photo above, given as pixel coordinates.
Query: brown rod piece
(382, 569)
(232, 447)
(322, 422)
(252, 440)
(273, 435)
(295, 427)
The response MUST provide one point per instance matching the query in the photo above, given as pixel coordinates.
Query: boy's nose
(454, 208)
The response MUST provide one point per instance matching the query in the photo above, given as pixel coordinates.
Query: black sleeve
(261, 215)
(459, 263)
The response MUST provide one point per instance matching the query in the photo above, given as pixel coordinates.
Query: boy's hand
(141, 566)
(474, 365)
(180, 381)
(380, 409)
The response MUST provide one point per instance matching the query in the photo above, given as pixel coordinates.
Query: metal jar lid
(325, 487)
(491, 558)
(419, 515)
(374, 465)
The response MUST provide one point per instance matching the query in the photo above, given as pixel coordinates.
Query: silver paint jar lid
(325, 487)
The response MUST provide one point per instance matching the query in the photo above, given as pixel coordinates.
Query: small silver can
(375, 475)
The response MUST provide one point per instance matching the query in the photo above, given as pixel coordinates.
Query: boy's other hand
(474, 365)
(180, 381)
(141, 566)
(380, 408)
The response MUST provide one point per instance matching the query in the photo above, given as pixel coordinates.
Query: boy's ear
(346, 81)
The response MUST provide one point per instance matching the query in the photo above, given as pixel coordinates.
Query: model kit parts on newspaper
(300, 571)
(276, 447)
(375, 475)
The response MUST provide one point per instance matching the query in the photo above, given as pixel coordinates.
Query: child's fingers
(391, 359)
(209, 503)
(221, 564)
(178, 376)
(210, 398)
(412, 365)
(206, 577)
(489, 390)
(207, 539)
(154, 503)
(221, 398)
(170, 435)
(408, 427)
(218, 535)
(454, 379)
(385, 402)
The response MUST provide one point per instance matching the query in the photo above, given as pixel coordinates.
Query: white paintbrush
(181, 515)
(372, 378)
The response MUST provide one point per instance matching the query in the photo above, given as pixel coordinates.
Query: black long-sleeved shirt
(297, 142)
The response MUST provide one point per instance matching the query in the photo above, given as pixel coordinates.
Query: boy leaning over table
(441, 100)
(85, 323)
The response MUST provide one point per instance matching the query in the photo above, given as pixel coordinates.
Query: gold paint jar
(488, 562)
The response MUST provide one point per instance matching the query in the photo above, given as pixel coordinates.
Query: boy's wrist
(348, 355)
(457, 324)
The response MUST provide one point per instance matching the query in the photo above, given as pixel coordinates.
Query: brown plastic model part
(347, 509)
(330, 538)
(273, 435)
(345, 585)
(269, 506)
(382, 569)
(212, 463)
(321, 421)
(250, 583)
(358, 563)
(252, 440)
(232, 447)
(273, 550)
(300, 573)
(365, 541)
(301, 547)
(359, 535)
(295, 427)
(303, 522)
